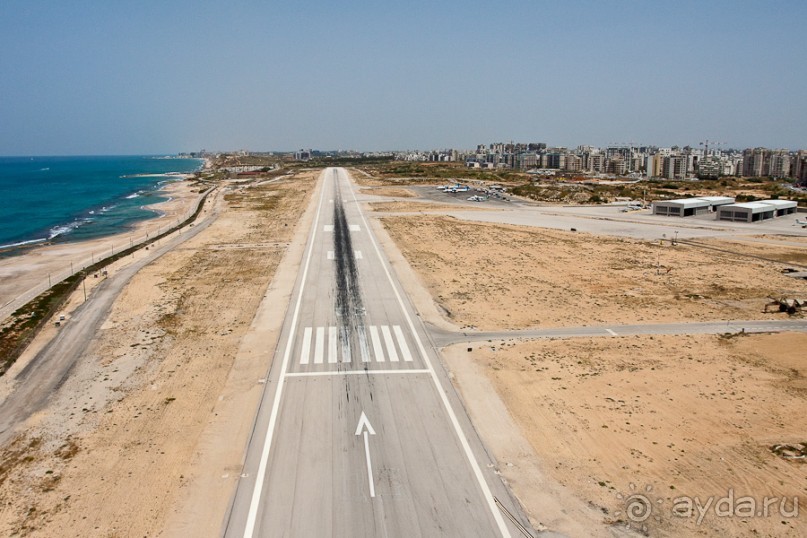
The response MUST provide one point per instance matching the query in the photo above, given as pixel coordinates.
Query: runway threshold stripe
(257, 489)
(393, 354)
(407, 355)
(332, 373)
(332, 345)
(319, 346)
(378, 351)
(305, 354)
(466, 445)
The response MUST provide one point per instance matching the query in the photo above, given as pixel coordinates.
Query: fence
(117, 244)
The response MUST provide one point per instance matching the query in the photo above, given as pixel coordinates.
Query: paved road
(443, 338)
(46, 372)
(359, 432)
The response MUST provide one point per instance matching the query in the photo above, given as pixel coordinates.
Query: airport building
(756, 211)
(687, 207)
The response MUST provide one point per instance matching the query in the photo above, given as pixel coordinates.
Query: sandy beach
(117, 447)
(145, 437)
(24, 276)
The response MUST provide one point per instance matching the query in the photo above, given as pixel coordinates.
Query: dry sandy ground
(420, 207)
(785, 248)
(665, 417)
(578, 426)
(392, 192)
(493, 276)
(113, 451)
(21, 273)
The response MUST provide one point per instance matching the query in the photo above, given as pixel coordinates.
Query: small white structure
(756, 211)
(686, 207)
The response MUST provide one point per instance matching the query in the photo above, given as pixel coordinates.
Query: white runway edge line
(252, 517)
(494, 510)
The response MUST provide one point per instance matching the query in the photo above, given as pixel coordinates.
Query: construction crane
(705, 145)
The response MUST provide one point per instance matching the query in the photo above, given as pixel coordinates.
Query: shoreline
(63, 236)
(40, 265)
(165, 357)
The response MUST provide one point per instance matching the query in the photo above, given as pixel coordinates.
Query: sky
(149, 77)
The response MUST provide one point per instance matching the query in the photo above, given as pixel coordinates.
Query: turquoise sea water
(74, 198)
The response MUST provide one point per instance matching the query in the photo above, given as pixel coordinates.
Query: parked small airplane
(454, 188)
(632, 207)
(477, 198)
(802, 223)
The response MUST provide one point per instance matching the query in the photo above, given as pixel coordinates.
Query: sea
(59, 199)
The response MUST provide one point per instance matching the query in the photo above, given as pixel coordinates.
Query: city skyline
(104, 79)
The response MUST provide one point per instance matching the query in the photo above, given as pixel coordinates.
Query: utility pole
(84, 285)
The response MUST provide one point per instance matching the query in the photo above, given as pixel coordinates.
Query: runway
(360, 433)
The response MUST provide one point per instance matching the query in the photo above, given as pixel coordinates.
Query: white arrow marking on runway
(365, 427)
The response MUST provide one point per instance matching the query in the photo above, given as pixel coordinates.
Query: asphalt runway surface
(359, 432)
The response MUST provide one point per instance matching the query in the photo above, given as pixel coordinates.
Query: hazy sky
(108, 77)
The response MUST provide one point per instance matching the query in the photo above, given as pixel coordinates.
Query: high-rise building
(754, 162)
(779, 163)
(675, 167)
(574, 163)
(800, 167)
(657, 163)
(760, 162)
(554, 160)
(709, 168)
(525, 161)
(617, 166)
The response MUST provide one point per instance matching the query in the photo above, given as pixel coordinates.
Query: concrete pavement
(359, 432)
(442, 338)
(49, 368)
